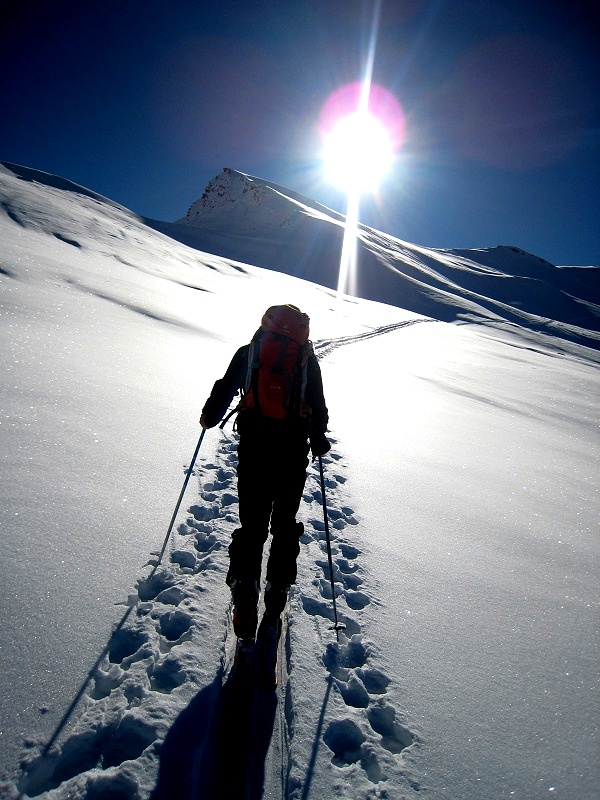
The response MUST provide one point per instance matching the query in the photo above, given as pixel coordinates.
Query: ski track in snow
(159, 715)
(325, 346)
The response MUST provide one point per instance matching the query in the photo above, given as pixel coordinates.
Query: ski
(267, 645)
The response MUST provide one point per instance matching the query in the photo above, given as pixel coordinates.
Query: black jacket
(234, 379)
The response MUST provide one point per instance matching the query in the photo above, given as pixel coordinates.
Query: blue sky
(146, 100)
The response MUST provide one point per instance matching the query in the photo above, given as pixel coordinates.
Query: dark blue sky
(146, 100)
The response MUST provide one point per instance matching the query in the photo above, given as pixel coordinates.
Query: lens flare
(362, 127)
(383, 113)
(358, 152)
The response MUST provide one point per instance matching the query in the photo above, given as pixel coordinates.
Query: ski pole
(181, 493)
(337, 626)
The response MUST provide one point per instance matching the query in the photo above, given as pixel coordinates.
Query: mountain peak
(256, 203)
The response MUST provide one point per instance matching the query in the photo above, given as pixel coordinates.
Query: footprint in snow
(345, 566)
(325, 588)
(394, 736)
(344, 738)
(353, 692)
(167, 675)
(174, 624)
(105, 681)
(228, 499)
(374, 680)
(126, 642)
(349, 551)
(315, 607)
(356, 600)
(185, 558)
(222, 480)
(206, 512)
(171, 596)
(207, 542)
(353, 581)
(107, 746)
(150, 588)
(361, 686)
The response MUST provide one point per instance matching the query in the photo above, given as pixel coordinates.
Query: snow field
(112, 335)
(176, 643)
(469, 586)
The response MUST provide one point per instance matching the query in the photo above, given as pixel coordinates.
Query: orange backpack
(277, 364)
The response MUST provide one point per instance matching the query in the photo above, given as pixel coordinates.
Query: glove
(319, 445)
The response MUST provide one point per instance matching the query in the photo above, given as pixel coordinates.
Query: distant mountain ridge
(254, 221)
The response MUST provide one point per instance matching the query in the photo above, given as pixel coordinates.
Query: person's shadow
(218, 745)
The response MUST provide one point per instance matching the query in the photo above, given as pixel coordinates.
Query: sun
(362, 127)
(360, 136)
(358, 152)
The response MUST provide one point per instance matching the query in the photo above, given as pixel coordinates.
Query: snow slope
(462, 495)
(252, 220)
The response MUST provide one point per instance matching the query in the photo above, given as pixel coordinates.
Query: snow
(501, 284)
(461, 492)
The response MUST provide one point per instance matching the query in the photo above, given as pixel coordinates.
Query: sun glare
(358, 152)
(362, 127)
(361, 135)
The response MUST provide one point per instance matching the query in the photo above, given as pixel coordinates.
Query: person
(275, 435)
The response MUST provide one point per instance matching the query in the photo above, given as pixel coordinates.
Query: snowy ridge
(56, 182)
(254, 221)
(149, 723)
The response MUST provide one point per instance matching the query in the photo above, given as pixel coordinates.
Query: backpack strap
(303, 408)
(251, 373)
(253, 361)
(229, 416)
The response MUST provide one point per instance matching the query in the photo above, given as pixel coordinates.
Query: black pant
(272, 461)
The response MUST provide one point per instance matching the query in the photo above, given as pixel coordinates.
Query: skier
(281, 414)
